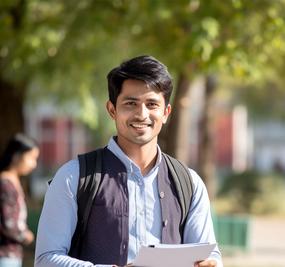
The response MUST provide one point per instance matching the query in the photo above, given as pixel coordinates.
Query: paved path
(266, 243)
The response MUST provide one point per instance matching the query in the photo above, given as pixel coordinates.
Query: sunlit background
(228, 121)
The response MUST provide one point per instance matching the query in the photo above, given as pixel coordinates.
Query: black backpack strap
(183, 183)
(90, 174)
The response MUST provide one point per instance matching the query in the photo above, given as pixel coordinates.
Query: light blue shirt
(59, 214)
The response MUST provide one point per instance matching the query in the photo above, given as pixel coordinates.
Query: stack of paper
(164, 255)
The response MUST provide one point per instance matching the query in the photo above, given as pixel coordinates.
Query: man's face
(139, 114)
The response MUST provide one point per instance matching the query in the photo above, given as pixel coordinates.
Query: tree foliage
(63, 49)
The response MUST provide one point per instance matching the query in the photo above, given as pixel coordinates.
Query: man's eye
(152, 105)
(130, 103)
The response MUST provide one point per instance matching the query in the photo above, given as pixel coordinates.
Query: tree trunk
(175, 135)
(11, 95)
(206, 166)
(11, 111)
(174, 138)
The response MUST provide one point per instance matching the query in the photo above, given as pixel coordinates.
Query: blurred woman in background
(19, 159)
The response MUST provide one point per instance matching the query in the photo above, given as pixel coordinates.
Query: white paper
(163, 255)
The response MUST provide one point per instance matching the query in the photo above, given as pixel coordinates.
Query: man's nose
(142, 111)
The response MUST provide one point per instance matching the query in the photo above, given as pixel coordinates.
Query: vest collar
(129, 164)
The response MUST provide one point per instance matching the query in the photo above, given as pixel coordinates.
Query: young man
(127, 211)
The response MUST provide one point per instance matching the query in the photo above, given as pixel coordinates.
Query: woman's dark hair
(144, 68)
(17, 145)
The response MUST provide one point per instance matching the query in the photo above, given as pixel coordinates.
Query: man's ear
(167, 112)
(111, 109)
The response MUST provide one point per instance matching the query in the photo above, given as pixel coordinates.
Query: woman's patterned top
(13, 217)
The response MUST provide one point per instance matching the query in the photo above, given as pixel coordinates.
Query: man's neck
(143, 155)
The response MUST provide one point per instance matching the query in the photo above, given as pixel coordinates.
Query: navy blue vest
(107, 234)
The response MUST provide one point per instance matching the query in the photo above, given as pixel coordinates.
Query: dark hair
(17, 145)
(144, 68)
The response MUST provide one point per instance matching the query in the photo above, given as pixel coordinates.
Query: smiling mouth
(140, 125)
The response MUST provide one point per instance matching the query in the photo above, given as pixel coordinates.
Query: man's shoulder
(69, 170)
(65, 179)
(68, 166)
(195, 178)
(92, 152)
(174, 161)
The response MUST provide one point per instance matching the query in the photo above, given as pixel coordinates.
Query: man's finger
(207, 263)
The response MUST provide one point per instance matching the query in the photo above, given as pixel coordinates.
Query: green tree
(59, 50)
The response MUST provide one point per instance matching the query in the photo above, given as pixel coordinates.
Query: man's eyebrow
(130, 98)
(153, 100)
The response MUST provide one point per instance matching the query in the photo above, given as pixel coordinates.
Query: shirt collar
(129, 164)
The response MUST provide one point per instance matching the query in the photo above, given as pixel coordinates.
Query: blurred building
(60, 139)
(269, 146)
(239, 143)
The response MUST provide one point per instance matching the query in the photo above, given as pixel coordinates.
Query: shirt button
(161, 194)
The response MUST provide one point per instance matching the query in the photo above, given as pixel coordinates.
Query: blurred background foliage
(65, 48)
(61, 50)
(251, 193)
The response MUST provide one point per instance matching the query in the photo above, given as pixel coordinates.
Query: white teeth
(139, 125)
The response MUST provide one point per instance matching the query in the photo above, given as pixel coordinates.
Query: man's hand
(206, 263)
